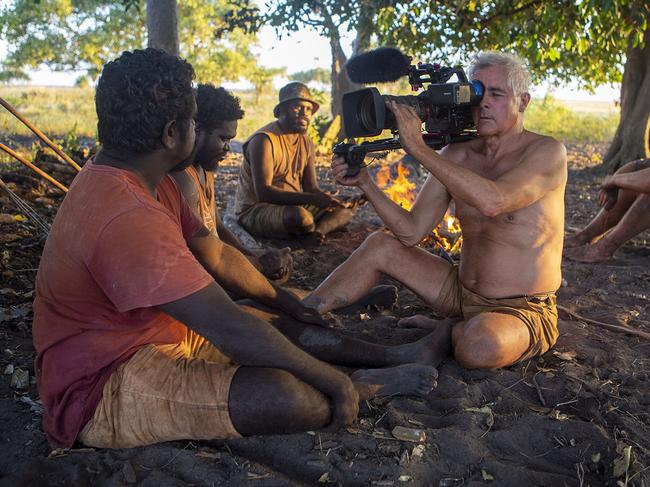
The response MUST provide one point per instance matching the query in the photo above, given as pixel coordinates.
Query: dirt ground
(577, 416)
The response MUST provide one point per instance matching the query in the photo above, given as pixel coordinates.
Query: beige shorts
(267, 220)
(163, 393)
(537, 311)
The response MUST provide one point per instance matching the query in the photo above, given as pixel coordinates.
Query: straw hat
(294, 91)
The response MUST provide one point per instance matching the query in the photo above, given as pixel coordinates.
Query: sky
(306, 50)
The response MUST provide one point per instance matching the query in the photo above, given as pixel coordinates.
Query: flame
(400, 189)
(447, 234)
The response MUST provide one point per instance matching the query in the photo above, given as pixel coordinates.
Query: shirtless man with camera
(508, 189)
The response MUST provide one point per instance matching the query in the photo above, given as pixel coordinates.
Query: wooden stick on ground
(38, 171)
(40, 135)
(230, 220)
(608, 326)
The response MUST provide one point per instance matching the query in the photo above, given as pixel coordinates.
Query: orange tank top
(207, 208)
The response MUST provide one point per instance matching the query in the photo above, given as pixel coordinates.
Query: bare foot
(403, 380)
(335, 220)
(588, 253)
(578, 240)
(355, 201)
(381, 297)
(430, 350)
(314, 238)
(424, 322)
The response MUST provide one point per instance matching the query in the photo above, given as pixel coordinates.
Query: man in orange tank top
(278, 194)
(216, 126)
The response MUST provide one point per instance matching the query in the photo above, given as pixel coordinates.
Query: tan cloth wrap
(538, 311)
(164, 393)
(267, 220)
(291, 152)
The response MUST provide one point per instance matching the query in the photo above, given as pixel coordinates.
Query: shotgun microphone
(378, 66)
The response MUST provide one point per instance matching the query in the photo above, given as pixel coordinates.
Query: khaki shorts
(267, 220)
(163, 393)
(537, 311)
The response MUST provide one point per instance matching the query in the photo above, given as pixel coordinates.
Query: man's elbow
(264, 194)
(492, 207)
(409, 241)
(490, 211)
(409, 238)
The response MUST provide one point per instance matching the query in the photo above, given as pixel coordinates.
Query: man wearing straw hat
(278, 194)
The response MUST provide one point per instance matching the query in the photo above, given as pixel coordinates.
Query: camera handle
(355, 154)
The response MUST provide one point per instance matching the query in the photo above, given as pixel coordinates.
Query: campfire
(447, 235)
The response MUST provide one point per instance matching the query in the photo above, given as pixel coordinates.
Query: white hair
(518, 75)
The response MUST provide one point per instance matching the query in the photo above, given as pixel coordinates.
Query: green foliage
(262, 79)
(330, 137)
(215, 60)
(68, 35)
(562, 41)
(323, 16)
(320, 75)
(551, 117)
(85, 34)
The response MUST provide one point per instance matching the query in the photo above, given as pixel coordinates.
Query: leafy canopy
(583, 40)
(85, 34)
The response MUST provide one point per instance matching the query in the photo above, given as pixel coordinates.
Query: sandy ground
(577, 416)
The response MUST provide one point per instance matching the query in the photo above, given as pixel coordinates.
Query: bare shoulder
(259, 143)
(545, 147)
(459, 151)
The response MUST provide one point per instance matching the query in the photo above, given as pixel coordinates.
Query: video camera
(444, 108)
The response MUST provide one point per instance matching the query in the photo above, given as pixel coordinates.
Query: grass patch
(54, 111)
(61, 111)
(550, 117)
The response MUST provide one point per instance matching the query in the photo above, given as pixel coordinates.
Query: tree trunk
(162, 25)
(339, 77)
(632, 139)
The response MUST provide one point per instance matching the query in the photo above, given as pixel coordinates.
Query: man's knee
(300, 399)
(298, 220)
(479, 345)
(643, 200)
(380, 243)
(269, 401)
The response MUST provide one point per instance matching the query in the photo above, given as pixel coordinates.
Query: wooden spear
(40, 135)
(40, 172)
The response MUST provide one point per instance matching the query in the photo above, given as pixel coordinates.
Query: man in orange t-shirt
(135, 341)
(216, 126)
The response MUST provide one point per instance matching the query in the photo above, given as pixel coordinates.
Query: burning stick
(446, 236)
(40, 135)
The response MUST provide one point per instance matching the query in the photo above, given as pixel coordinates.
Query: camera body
(443, 107)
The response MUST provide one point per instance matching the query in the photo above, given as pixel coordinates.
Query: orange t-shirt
(112, 255)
